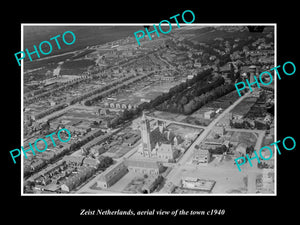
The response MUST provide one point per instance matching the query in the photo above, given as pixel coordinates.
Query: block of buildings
(111, 175)
(201, 156)
(74, 181)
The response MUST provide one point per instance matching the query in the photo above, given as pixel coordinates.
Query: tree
(249, 150)
(218, 150)
(183, 100)
(105, 162)
(88, 103)
(127, 114)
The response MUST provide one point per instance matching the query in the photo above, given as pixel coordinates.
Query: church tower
(145, 135)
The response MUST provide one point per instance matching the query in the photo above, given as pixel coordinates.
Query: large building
(159, 143)
(111, 175)
(201, 156)
(144, 167)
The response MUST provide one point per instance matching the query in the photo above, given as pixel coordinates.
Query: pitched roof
(75, 159)
(105, 176)
(76, 179)
(167, 137)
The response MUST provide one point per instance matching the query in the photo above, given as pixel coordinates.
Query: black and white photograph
(168, 115)
(135, 113)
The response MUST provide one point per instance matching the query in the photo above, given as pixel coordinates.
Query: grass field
(77, 64)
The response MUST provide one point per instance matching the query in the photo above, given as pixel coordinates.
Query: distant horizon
(85, 36)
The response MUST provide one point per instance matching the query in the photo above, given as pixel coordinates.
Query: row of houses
(40, 95)
(35, 163)
(66, 174)
(46, 112)
(116, 105)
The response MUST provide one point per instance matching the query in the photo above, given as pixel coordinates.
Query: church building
(159, 143)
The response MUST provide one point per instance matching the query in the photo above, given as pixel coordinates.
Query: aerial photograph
(158, 117)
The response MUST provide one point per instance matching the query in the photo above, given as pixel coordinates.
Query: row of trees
(219, 150)
(247, 125)
(241, 125)
(191, 99)
(201, 100)
(49, 111)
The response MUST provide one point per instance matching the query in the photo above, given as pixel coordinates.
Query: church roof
(167, 137)
(157, 137)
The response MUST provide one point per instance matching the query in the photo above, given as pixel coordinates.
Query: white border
(150, 24)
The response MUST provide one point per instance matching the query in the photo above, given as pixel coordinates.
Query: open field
(76, 66)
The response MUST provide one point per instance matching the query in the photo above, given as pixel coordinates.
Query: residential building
(37, 164)
(201, 156)
(74, 181)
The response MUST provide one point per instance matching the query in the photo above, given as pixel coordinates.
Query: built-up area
(163, 117)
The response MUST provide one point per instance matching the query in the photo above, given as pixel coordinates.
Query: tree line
(186, 99)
